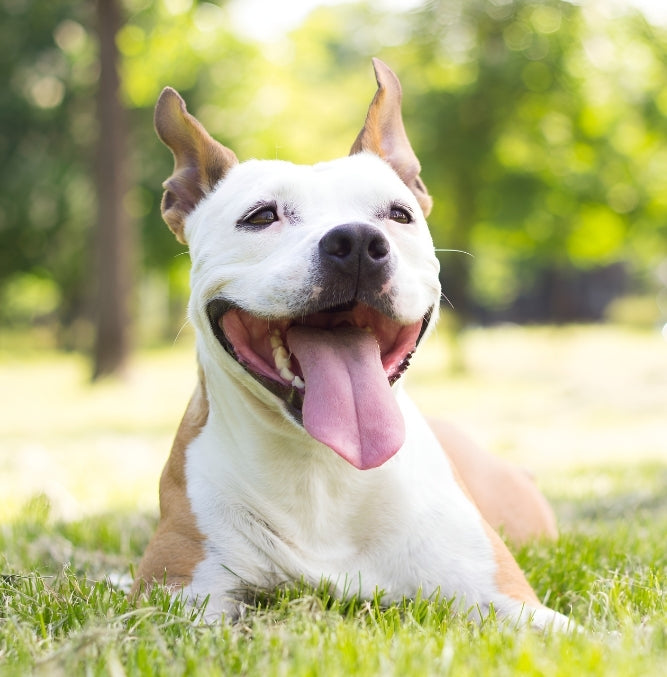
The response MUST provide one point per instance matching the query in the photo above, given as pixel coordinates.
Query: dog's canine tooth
(282, 360)
(281, 357)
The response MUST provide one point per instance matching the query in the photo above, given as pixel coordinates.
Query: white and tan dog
(300, 457)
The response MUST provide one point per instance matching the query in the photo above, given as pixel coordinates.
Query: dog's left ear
(199, 161)
(384, 134)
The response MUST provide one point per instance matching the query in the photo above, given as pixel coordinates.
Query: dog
(300, 457)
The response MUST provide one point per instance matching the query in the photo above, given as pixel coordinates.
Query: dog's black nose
(356, 249)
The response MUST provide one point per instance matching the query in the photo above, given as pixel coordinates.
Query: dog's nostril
(338, 243)
(378, 248)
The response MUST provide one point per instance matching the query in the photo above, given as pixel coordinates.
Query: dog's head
(319, 281)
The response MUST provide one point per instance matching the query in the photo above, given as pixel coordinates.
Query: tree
(115, 249)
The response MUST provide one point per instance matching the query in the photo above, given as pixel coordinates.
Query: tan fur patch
(509, 577)
(506, 495)
(177, 546)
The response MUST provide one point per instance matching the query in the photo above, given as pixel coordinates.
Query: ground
(582, 407)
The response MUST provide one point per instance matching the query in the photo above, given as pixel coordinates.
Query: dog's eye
(260, 217)
(400, 214)
(263, 217)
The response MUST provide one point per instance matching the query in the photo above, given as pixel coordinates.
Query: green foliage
(540, 127)
(28, 297)
(539, 139)
(47, 76)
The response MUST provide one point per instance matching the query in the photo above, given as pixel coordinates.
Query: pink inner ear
(182, 192)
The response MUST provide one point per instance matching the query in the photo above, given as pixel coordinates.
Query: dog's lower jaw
(332, 370)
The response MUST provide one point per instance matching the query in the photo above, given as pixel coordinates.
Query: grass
(582, 407)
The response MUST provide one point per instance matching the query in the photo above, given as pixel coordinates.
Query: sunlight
(268, 22)
(279, 18)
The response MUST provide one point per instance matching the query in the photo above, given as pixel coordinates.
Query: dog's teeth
(282, 360)
(281, 357)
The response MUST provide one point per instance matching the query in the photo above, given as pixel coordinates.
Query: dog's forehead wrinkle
(366, 182)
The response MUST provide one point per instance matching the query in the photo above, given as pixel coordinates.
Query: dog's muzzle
(333, 363)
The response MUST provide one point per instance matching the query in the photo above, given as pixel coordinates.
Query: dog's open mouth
(333, 368)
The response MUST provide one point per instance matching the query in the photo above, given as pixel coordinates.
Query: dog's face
(318, 281)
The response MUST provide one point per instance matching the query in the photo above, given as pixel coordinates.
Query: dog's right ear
(199, 161)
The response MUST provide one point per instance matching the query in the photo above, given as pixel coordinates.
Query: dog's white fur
(271, 274)
(249, 499)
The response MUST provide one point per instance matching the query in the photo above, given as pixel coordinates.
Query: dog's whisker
(180, 331)
(444, 296)
(455, 251)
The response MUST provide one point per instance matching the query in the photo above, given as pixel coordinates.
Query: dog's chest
(396, 528)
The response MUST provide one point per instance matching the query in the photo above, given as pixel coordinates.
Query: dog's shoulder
(177, 546)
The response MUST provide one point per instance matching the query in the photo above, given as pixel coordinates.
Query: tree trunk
(114, 271)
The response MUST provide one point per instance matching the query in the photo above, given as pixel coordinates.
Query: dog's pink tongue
(348, 403)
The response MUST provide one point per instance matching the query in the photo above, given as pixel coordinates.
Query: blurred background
(542, 131)
(541, 128)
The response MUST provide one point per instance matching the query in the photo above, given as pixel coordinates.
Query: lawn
(585, 408)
